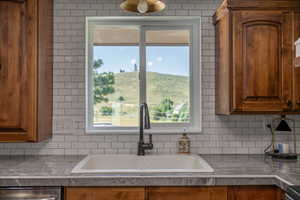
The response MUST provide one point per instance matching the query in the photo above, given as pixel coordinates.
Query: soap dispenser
(184, 144)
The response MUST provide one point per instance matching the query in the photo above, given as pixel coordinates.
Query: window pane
(116, 90)
(115, 77)
(168, 82)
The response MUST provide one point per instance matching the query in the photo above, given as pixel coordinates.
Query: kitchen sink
(142, 164)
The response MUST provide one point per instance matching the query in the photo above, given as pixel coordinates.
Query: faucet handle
(150, 138)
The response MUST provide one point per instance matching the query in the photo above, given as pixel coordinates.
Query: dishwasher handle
(31, 198)
(35, 193)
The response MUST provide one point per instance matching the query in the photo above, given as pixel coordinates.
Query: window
(131, 60)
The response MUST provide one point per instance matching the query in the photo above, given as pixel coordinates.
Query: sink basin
(142, 164)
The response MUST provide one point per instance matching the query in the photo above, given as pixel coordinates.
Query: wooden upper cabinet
(187, 193)
(254, 57)
(25, 70)
(262, 67)
(296, 74)
(13, 105)
(105, 193)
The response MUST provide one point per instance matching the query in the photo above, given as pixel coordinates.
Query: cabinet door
(262, 61)
(13, 72)
(255, 193)
(107, 193)
(187, 193)
(296, 69)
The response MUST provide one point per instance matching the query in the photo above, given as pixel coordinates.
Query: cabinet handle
(289, 103)
(289, 107)
(298, 103)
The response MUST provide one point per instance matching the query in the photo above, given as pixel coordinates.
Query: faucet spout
(147, 124)
(144, 124)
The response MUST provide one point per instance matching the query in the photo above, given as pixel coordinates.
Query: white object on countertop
(283, 148)
(286, 148)
(142, 164)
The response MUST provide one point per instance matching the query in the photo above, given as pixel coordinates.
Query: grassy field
(159, 87)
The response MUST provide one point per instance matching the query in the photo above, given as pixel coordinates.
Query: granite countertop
(229, 170)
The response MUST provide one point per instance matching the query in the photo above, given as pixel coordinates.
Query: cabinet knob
(289, 103)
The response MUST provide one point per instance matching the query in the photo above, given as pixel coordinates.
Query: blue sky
(167, 60)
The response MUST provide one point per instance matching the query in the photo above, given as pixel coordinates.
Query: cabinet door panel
(297, 69)
(12, 70)
(14, 74)
(187, 193)
(255, 193)
(262, 77)
(25, 70)
(262, 61)
(107, 193)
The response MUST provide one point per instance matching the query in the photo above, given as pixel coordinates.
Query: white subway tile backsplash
(221, 134)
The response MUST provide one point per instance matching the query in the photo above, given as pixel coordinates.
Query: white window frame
(150, 23)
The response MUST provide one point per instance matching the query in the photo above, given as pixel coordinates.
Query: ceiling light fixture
(143, 6)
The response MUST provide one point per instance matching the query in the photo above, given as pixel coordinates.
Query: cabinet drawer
(105, 193)
(187, 193)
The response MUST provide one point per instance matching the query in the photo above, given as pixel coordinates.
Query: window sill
(136, 132)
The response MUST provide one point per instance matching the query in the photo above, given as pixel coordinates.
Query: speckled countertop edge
(229, 170)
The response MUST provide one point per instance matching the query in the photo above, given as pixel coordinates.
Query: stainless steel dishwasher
(31, 193)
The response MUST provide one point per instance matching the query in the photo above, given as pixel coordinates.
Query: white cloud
(150, 64)
(133, 61)
(159, 59)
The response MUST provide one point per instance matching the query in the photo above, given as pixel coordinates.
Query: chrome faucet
(144, 124)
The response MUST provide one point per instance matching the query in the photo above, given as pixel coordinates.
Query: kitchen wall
(221, 134)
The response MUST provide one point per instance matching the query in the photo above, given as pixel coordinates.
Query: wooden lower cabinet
(255, 193)
(175, 193)
(187, 193)
(105, 193)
